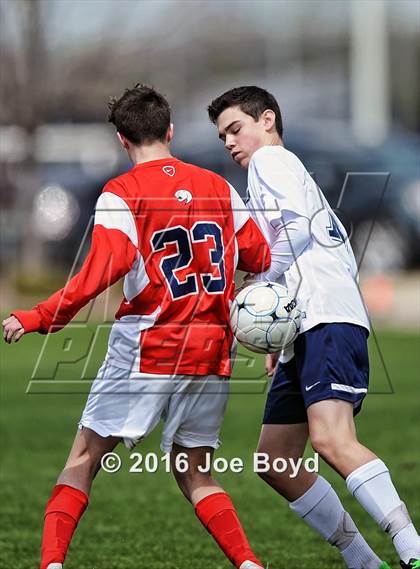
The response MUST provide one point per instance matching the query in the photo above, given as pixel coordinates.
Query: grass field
(141, 521)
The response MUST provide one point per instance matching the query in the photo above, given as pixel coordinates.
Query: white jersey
(324, 275)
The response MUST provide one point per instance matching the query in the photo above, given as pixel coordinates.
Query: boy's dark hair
(141, 114)
(252, 100)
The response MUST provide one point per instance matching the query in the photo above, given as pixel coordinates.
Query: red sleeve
(253, 249)
(111, 256)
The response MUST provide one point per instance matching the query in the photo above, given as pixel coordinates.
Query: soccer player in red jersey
(176, 233)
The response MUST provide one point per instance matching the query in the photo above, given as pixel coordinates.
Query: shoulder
(118, 185)
(115, 195)
(278, 174)
(269, 159)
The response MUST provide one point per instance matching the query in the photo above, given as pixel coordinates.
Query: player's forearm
(111, 257)
(292, 240)
(48, 316)
(58, 310)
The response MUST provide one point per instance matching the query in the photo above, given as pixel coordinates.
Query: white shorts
(129, 405)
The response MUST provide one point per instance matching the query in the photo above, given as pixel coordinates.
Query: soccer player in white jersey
(176, 233)
(317, 390)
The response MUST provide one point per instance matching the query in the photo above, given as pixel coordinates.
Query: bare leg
(286, 441)
(333, 435)
(194, 484)
(84, 460)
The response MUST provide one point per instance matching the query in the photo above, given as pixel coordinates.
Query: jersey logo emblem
(170, 170)
(183, 196)
(309, 387)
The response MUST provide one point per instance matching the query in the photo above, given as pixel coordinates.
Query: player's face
(241, 134)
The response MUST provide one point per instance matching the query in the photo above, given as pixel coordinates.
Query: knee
(328, 444)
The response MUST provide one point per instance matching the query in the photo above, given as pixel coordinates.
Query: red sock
(218, 515)
(63, 512)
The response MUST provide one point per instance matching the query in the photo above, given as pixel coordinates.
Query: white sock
(359, 555)
(372, 487)
(320, 507)
(407, 543)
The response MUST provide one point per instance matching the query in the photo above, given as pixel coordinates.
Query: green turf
(140, 521)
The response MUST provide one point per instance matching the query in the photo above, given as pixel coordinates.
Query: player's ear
(170, 134)
(123, 140)
(269, 119)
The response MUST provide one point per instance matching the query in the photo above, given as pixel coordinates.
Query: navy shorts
(330, 362)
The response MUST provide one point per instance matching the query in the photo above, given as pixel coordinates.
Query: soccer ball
(265, 317)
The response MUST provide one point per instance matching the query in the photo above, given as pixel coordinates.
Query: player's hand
(12, 329)
(249, 279)
(271, 362)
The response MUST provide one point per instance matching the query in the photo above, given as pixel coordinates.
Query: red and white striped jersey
(176, 233)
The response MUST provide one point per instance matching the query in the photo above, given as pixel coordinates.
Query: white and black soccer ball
(265, 317)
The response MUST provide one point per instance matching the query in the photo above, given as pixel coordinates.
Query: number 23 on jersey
(202, 231)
